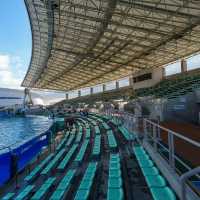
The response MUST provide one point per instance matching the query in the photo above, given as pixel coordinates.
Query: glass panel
(124, 82)
(173, 68)
(193, 62)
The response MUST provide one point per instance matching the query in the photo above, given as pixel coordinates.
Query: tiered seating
(86, 182)
(62, 142)
(97, 146)
(155, 181)
(78, 138)
(115, 190)
(82, 151)
(38, 168)
(97, 130)
(63, 186)
(126, 133)
(65, 177)
(88, 132)
(105, 125)
(68, 156)
(53, 163)
(43, 190)
(25, 193)
(111, 139)
(8, 196)
(71, 138)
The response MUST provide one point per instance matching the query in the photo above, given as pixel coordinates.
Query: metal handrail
(184, 178)
(197, 144)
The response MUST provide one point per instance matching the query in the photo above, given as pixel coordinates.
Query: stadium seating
(72, 170)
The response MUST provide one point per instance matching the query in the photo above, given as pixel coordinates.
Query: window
(111, 85)
(193, 62)
(143, 77)
(98, 88)
(124, 82)
(173, 68)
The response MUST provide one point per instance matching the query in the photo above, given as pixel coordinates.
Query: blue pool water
(17, 130)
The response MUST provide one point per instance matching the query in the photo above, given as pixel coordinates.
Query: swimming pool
(17, 130)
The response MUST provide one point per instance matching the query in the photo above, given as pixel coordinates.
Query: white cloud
(9, 71)
(4, 62)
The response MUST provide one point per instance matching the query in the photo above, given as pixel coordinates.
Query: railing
(163, 141)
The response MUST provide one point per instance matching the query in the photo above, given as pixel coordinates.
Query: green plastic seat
(114, 182)
(57, 195)
(155, 181)
(152, 171)
(23, 194)
(63, 185)
(43, 189)
(142, 156)
(82, 195)
(67, 157)
(8, 196)
(85, 184)
(159, 193)
(146, 163)
(115, 194)
(139, 150)
(53, 162)
(114, 173)
(38, 168)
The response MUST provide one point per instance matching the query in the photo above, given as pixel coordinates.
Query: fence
(167, 144)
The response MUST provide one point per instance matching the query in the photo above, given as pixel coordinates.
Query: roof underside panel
(81, 43)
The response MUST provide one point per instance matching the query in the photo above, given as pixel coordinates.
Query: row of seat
(86, 182)
(125, 133)
(67, 157)
(155, 181)
(115, 191)
(97, 146)
(63, 186)
(111, 139)
(82, 151)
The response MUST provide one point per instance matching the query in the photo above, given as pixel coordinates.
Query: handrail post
(184, 178)
(155, 138)
(171, 150)
(145, 129)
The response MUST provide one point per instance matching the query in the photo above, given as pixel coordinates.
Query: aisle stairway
(96, 160)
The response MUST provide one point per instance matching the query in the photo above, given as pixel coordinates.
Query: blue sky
(15, 43)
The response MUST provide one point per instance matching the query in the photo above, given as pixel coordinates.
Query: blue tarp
(5, 167)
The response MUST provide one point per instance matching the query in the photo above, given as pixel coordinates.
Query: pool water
(17, 130)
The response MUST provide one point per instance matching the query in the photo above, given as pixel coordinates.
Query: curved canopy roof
(81, 43)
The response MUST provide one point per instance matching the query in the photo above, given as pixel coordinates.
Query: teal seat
(114, 182)
(68, 156)
(43, 189)
(57, 195)
(146, 163)
(115, 194)
(82, 195)
(81, 153)
(24, 194)
(142, 156)
(38, 168)
(139, 150)
(86, 182)
(150, 171)
(63, 185)
(114, 173)
(159, 193)
(155, 181)
(8, 196)
(53, 162)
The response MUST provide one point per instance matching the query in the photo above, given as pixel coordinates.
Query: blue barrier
(28, 151)
(5, 167)
(17, 159)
